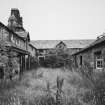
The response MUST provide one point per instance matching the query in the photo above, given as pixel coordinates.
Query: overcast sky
(58, 19)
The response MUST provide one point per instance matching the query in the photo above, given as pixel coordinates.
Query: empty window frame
(98, 60)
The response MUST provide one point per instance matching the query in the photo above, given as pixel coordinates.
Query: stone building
(32, 50)
(45, 48)
(14, 43)
(17, 39)
(15, 24)
(93, 55)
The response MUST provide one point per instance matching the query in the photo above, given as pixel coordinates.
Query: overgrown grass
(49, 87)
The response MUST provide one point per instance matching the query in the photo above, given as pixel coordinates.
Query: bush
(57, 61)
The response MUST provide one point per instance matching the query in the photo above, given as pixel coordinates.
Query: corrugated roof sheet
(48, 44)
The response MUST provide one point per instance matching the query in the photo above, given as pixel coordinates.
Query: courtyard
(38, 84)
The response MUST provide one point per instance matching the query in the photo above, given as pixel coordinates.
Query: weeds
(96, 81)
(74, 84)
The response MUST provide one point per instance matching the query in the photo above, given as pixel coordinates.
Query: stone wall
(89, 57)
(4, 34)
(71, 51)
(32, 50)
(18, 41)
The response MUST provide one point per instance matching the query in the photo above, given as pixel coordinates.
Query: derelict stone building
(17, 40)
(93, 54)
(48, 48)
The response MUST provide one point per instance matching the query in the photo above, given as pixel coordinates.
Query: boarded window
(98, 60)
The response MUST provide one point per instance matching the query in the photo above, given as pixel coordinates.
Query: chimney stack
(15, 12)
(15, 21)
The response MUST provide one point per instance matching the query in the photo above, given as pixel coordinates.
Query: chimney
(15, 21)
(15, 12)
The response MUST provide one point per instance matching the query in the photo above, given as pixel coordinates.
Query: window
(81, 60)
(41, 50)
(99, 60)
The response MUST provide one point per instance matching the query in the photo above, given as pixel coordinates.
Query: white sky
(58, 19)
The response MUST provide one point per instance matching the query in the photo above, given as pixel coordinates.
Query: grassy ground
(34, 84)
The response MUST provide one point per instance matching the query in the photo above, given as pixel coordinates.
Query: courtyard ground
(34, 83)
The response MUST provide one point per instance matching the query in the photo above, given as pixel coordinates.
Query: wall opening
(81, 60)
(1, 72)
(98, 60)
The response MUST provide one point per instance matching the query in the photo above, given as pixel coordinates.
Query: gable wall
(4, 34)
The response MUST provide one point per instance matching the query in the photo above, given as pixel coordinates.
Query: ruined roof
(45, 44)
(98, 41)
(77, 43)
(48, 44)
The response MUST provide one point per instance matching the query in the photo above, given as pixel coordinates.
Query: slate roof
(98, 41)
(45, 44)
(48, 44)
